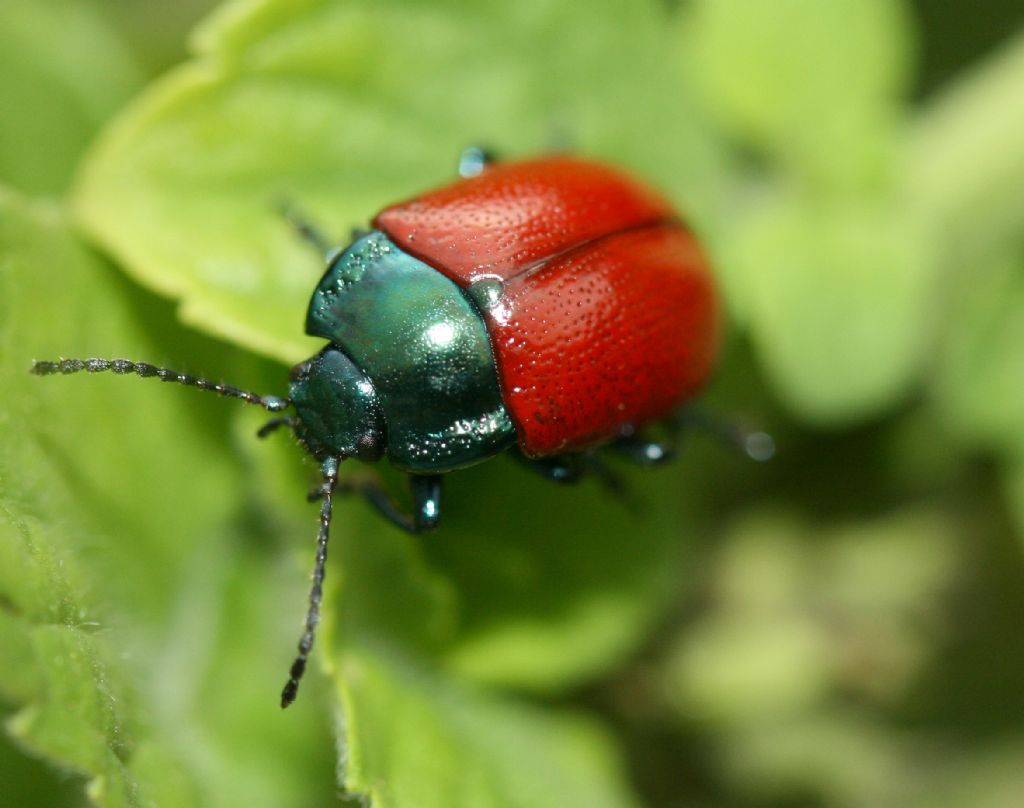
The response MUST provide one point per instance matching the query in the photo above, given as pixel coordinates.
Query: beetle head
(336, 407)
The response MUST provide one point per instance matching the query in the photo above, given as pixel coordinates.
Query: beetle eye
(300, 371)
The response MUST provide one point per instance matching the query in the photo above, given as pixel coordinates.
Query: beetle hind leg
(645, 452)
(642, 450)
(571, 468)
(755, 444)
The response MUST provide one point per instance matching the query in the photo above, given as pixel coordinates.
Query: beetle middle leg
(426, 497)
(565, 469)
(571, 468)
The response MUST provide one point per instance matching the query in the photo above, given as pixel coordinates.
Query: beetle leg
(304, 227)
(426, 496)
(612, 481)
(755, 444)
(645, 452)
(474, 160)
(564, 469)
(571, 468)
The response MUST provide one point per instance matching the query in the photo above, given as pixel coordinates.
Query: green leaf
(551, 585)
(525, 584)
(837, 296)
(767, 650)
(1013, 483)
(811, 639)
(964, 162)
(818, 255)
(30, 782)
(342, 108)
(988, 776)
(63, 72)
(417, 740)
(133, 655)
(813, 84)
(979, 380)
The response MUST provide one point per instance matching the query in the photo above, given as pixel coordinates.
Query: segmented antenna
(124, 366)
(330, 472)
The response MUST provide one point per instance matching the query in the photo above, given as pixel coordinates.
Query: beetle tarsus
(426, 495)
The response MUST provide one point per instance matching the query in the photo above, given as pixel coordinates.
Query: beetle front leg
(426, 497)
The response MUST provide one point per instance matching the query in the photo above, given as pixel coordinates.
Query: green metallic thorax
(421, 345)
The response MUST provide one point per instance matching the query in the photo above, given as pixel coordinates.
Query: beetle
(548, 307)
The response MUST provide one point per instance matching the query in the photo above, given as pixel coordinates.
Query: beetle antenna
(316, 592)
(123, 367)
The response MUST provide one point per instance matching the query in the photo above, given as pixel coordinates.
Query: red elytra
(608, 315)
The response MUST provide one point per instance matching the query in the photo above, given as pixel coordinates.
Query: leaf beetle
(548, 307)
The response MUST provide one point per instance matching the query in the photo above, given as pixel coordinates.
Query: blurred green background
(839, 627)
